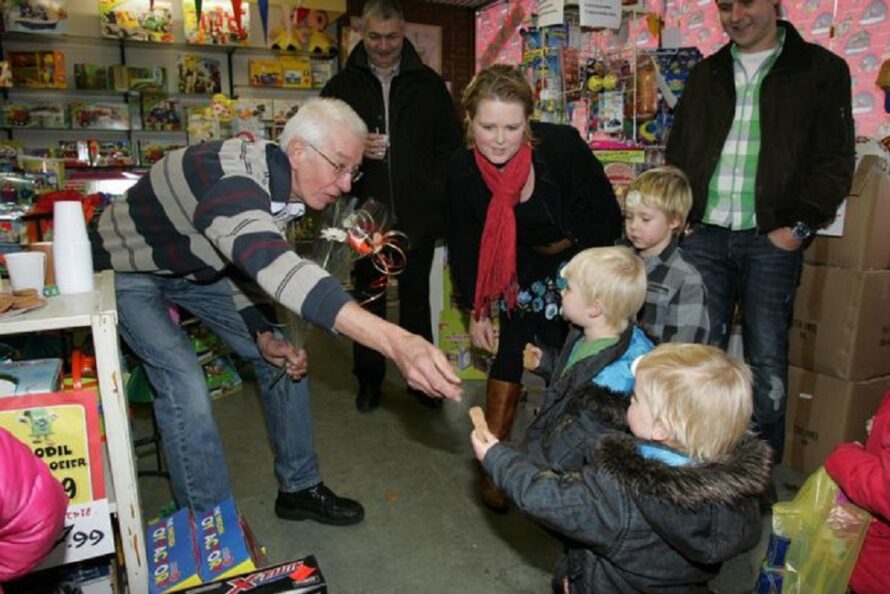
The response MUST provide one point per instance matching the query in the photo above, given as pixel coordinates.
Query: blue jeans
(745, 267)
(192, 445)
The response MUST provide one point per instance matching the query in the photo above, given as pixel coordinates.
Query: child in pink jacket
(864, 475)
(32, 509)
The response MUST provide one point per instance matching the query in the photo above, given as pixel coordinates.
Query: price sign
(87, 534)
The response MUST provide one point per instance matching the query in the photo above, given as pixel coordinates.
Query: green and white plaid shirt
(731, 190)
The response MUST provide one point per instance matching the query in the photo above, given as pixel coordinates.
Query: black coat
(423, 132)
(634, 524)
(568, 178)
(805, 165)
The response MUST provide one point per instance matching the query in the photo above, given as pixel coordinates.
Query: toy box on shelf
(203, 126)
(221, 22)
(198, 74)
(38, 70)
(47, 17)
(139, 20)
(135, 78)
(265, 73)
(296, 72)
(35, 115)
(99, 116)
(91, 77)
(161, 113)
(150, 152)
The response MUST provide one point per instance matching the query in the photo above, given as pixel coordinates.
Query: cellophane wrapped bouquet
(339, 236)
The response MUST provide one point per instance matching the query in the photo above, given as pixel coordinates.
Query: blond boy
(605, 288)
(660, 508)
(655, 211)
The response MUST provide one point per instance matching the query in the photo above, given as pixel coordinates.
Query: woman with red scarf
(522, 199)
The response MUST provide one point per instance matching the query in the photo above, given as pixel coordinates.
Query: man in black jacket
(764, 132)
(413, 130)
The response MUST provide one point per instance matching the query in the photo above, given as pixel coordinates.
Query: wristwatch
(802, 231)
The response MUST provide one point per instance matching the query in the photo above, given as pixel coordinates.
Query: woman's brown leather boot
(500, 409)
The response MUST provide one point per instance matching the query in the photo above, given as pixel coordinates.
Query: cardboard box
(184, 550)
(172, 553)
(226, 546)
(841, 324)
(865, 244)
(294, 577)
(32, 376)
(824, 411)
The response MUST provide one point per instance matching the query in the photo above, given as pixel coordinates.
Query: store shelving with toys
(95, 100)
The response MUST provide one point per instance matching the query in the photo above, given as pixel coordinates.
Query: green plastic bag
(826, 531)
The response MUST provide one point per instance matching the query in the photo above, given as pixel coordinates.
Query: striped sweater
(206, 208)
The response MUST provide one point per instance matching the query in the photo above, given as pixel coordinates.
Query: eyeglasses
(340, 169)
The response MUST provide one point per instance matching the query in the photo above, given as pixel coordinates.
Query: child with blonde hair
(604, 289)
(660, 508)
(655, 210)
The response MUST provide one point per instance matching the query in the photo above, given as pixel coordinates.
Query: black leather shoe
(368, 397)
(425, 400)
(320, 504)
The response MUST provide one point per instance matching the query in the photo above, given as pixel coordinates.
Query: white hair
(315, 119)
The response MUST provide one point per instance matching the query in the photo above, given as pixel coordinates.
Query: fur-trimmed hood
(673, 498)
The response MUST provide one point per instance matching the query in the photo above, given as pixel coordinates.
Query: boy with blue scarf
(658, 505)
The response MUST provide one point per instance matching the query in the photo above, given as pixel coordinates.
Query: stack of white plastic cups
(72, 254)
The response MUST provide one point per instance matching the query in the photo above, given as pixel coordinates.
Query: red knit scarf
(496, 276)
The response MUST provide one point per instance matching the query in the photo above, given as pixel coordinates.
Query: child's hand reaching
(482, 440)
(531, 357)
(481, 437)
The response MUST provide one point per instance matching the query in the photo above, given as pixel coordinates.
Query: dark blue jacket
(805, 165)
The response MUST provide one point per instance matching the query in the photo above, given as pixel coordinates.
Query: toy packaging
(140, 20)
(35, 115)
(220, 24)
(5, 74)
(160, 112)
(151, 152)
(184, 550)
(296, 72)
(172, 552)
(74, 153)
(198, 74)
(265, 73)
(38, 70)
(322, 72)
(135, 78)
(34, 376)
(226, 545)
(301, 576)
(110, 153)
(91, 77)
(221, 376)
(100, 116)
(47, 17)
(202, 126)
(284, 109)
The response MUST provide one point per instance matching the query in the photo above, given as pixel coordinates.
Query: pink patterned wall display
(861, 36)
(497, 32)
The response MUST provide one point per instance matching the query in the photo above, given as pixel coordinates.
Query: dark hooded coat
(634, 524)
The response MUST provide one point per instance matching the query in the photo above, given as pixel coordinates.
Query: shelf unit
(97, 311)
(106, 51)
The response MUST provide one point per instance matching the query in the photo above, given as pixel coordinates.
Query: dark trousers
(369, 366)
(745, 267)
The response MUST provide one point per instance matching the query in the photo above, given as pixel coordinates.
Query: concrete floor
(414, 471)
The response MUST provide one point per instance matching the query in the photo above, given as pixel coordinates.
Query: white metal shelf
(97, 311)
